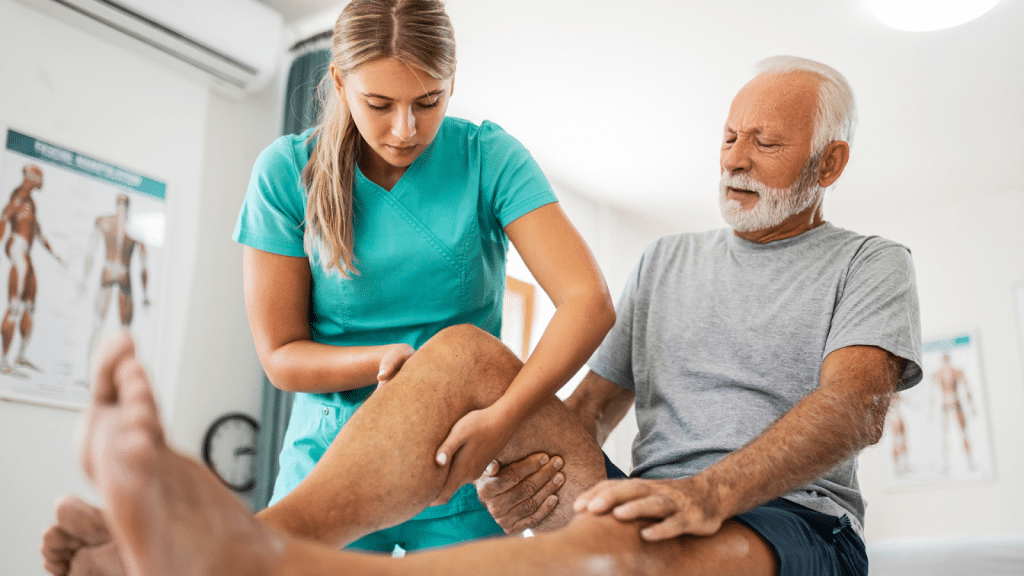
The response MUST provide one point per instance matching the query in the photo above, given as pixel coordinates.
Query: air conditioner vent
(232, 45)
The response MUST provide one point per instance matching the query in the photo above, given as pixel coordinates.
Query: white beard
(773, 205)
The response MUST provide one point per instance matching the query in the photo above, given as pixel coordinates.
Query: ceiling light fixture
(924, 15)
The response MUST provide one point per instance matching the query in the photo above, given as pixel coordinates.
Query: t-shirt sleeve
(879, 307)
(272, 217)
(510, 173)
(613, 360)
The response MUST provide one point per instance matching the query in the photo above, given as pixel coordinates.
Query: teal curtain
(300, 112)
(301, 109)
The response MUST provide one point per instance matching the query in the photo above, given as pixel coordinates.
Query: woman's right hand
(392, 362)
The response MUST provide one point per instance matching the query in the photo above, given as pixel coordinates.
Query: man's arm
(843, 415)
(600, 405)
(519, 494)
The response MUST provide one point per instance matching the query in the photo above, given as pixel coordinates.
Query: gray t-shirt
(718, 337)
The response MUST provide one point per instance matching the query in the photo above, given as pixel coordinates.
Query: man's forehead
(774, 102)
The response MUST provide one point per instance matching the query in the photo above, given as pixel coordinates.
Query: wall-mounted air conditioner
(231, 45)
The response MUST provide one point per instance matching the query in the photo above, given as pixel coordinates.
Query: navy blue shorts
(805, 542)
(613, 471)
(808, 542)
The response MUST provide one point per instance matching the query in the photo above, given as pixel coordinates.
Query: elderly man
(761, 360)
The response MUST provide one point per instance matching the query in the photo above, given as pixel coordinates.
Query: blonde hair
(416, 32)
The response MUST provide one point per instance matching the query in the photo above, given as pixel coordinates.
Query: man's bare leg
(380, 469)
(170, 516)
(415, 410)
(603, 546)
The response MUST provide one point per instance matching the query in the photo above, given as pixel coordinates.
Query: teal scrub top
(430, 253)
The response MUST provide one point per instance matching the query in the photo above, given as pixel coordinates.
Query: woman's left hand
(474, 441)
(392, 362)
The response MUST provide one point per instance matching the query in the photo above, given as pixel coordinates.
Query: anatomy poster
(937, 431)
(81, 243)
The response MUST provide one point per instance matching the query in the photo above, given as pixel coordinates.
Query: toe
(81, 520)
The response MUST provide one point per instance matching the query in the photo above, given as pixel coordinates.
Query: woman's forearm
(577, 328)
(307, 366)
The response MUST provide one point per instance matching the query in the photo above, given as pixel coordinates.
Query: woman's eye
(373, 107)
(429, 104)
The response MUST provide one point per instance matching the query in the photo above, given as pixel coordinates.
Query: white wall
(68, 87)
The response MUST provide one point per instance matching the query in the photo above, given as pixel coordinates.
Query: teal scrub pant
(431, 533)
(315, 420)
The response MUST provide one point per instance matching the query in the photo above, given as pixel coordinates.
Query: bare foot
(79, 542)
(103, 560)
(167, 513)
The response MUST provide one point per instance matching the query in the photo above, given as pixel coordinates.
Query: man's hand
(680, 506)
(392, 362)
(522, 494)
(473, 442)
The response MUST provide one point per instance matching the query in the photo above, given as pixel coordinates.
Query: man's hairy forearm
(845, 414)
(599, 405)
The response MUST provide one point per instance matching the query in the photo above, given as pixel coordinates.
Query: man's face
(768, 174)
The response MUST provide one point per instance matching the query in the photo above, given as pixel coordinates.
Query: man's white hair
(836, 117)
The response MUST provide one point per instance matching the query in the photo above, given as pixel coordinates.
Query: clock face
(230, 450)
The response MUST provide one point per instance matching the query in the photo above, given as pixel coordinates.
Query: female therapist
(389, 222)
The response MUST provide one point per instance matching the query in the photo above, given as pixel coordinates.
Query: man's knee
(734, 549)
(478, 361)
(615, 547)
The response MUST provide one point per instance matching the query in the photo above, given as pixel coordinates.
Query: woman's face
(396, 108)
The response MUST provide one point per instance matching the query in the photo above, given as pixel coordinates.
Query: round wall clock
(229, 449)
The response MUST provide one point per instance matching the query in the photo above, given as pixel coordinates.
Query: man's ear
(833, 162)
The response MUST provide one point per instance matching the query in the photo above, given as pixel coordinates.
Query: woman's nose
(404, 126)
